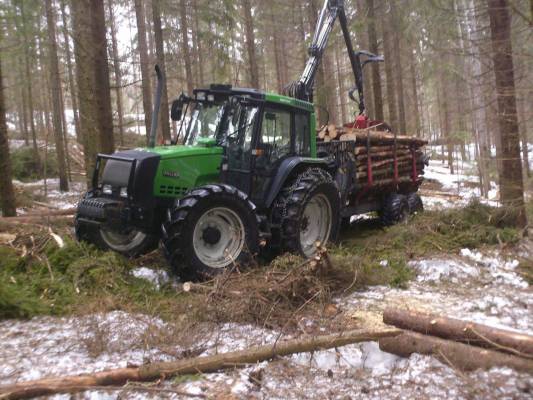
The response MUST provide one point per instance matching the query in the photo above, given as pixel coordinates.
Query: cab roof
(228, 90)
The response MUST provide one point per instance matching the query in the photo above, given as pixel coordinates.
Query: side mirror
(176, 109)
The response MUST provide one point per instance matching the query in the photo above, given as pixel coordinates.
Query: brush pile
(381, 158)
(275, 297)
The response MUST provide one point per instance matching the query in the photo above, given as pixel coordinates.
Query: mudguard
(286, 169)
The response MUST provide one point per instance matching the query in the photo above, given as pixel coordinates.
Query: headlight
(107, 189)
(123, 192)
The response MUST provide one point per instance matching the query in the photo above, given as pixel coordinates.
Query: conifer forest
(266, 199)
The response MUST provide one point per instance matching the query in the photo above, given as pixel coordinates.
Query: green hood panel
(167, 152)
(182, 168)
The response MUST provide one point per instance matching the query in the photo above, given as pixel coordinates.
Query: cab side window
(302, 130)
(276, 134)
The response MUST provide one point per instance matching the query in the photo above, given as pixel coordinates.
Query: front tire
(307, 210)
(210, 229)
(131, 243)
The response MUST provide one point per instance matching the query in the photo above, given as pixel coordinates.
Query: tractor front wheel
(209, 230)
(130, 243)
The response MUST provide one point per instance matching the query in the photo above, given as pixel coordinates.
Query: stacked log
(460, 344)
(383, 151)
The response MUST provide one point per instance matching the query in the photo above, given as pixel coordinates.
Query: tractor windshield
(202, 121)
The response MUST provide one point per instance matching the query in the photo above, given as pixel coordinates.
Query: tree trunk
(202, 364)
(373, 47)
(72, 86)
(342, 86)
(454, 354)
(145, 65)
(185, 46)
(397, 62)
(29, 80)
(102, 88)
(511, 184)
(249, 34)
(85, 77)
(461, 331)
(56, 96)
(198, 47)
(389, 73)
(414, 83)
(7, 194)
(117, 71)
(164, 122)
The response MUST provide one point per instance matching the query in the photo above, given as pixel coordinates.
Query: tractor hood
(168, 152)
(182, 168)
(165, 171)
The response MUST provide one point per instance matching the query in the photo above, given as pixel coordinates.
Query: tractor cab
(258, 133)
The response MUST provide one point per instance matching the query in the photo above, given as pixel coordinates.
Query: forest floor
(453, 260)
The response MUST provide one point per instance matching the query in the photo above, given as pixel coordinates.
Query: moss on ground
(80, 279)
(381, 253)
(74, 279)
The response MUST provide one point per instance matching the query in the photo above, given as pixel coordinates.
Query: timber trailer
(244, 173)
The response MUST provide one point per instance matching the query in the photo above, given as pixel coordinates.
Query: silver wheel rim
(224, 250)
(122, 242)
(316, 224)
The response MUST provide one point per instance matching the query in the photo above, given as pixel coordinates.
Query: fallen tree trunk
(454, 354)
(72, 384)
(462, 331)
(45, 215)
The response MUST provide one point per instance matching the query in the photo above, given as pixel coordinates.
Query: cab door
(239, 158)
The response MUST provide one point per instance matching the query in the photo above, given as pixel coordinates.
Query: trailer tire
(415, 203)
(394, 209)
(312, 192)
(208, 230)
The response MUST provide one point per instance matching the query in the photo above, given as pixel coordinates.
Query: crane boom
(303, 88)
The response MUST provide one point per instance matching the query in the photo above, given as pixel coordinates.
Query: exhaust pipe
(157, 105)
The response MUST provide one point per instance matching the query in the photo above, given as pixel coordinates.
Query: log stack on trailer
(381, 158)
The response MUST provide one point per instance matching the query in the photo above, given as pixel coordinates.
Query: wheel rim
(122, 242)
(315, 224)
(218, 237)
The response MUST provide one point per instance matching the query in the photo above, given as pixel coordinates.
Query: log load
(385, 152)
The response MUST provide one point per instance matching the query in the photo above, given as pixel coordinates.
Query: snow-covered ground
(478, 286)
(54, 197)
(482, 286)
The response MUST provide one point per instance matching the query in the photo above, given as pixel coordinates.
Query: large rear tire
(209, 230)
(307, 211)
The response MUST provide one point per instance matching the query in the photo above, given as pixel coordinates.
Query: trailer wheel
(415, 203)
(394, 209)
(132, 243)
(210, 229)
(307, 210)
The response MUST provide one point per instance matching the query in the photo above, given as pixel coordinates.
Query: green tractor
(243, 174)
(246, 173)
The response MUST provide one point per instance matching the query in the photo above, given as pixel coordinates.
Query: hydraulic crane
(303, 88)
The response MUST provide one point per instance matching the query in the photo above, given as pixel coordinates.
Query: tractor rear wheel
(394, 209)
(307, 210)
(210, 229)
